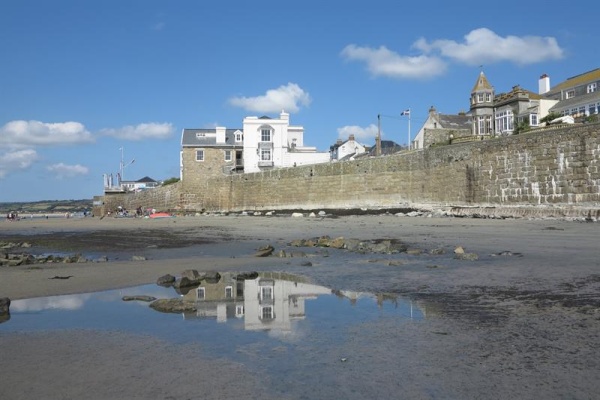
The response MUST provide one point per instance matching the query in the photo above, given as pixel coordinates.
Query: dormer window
(238, 136)
(488, 97)
(570, 94)
(592, 87)
(480, 98)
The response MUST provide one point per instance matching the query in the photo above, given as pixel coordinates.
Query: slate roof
(146, 179)
(448, 121)
(387, 147)
(577, 80)
(194, 138)
(482, 84)
(577, 100)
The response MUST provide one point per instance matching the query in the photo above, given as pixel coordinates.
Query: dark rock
(264, 251)
(184, 282)
(139, 298)
(193, 276)
(4, 305)
(466, 256)
(306, 264)
(246, 275)
(173, 305)
(211, 276)
(166, 280)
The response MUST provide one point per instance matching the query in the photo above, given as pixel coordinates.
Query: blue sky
(80, 80)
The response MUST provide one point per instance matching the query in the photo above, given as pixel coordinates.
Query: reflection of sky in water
(325, 315)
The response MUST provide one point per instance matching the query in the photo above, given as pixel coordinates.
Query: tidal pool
(273, 307)
(279, 323)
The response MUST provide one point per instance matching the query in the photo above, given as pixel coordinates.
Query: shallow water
(281, 325)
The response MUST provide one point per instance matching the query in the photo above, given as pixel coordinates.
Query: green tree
(170, 181)
(550, 117)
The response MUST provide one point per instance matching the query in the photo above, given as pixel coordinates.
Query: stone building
(492, 114)
(441, 129)
(211, 152)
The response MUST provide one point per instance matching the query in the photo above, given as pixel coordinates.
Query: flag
(405, 112)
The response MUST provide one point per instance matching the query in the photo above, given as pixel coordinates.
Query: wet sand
(521, 321)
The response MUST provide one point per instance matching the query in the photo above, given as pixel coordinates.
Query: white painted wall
(283, 136)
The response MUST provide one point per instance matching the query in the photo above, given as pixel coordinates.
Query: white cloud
(67, 171)
(384, 62)
(141, 131)
(16, 160)
(483, 46)
(18, 134)
(289, 98)
(360, 134)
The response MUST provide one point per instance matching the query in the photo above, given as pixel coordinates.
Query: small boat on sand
(161, 215)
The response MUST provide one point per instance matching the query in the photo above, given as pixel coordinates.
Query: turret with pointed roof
(482, 106)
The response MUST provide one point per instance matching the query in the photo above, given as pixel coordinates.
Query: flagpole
(408, 144)
(121, 167)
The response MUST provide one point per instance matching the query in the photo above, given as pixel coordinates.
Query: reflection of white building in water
(274, 303)
(269, 302)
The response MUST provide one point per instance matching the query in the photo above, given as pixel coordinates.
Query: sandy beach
(520, 319)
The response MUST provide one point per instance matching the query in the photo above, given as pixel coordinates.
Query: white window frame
(488, 97)
(268, 310)
(480, 97)
(239, 310)
(266, 154)
(200, 155)
(229, 292)
(239, 137)
(533, 120)
(227, 155)
(569, 94)
(592, 87)
(266, 135)
(200, 293)
(505, 121)
(266, 292)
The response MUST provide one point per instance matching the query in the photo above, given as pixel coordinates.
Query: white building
(274, 143)
(347, 150)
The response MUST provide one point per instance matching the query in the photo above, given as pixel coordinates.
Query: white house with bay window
(274, 143)
(263, 143)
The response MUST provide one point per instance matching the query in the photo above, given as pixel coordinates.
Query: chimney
(284, 116)
(544, 84)
(351, 137)
(220, 134)
(432, 111)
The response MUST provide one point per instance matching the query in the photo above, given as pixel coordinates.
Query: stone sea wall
(550, 169)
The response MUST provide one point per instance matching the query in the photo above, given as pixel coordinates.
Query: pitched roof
(482, 84)
(207, 137)
(581, 79)
(146, 179)
(448, 121)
